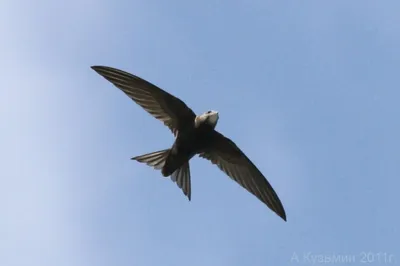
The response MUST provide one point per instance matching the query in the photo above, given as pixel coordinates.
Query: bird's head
(210, 117)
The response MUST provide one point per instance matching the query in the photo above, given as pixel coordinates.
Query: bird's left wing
(229, 158)
(165, 107)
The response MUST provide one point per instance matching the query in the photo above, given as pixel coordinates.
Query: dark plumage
(194, 135)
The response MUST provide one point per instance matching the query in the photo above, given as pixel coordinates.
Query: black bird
(194, 135)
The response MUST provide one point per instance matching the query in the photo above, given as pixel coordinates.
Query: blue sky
(308, 89)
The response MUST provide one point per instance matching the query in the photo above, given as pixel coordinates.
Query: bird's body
(190, 141)
(194, 135)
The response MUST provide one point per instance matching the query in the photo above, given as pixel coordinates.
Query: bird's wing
(159, 103)
(229, 158)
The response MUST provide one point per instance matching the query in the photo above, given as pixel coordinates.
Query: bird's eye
(208, 112)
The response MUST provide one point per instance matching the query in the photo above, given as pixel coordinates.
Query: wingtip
(95, 68)
(283, 216)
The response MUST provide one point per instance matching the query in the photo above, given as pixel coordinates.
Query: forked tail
(177, 167)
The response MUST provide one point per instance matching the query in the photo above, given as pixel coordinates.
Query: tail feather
(179, 174)
(154, 159)
(182, 178)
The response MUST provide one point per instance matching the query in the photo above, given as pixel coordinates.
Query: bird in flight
(194, 135)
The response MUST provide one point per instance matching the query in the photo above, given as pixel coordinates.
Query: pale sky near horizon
(309, 90)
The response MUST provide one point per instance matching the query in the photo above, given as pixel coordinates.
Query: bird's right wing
(230, 159)
(159, 103)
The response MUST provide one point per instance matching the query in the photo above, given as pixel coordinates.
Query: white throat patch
(210, 117)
